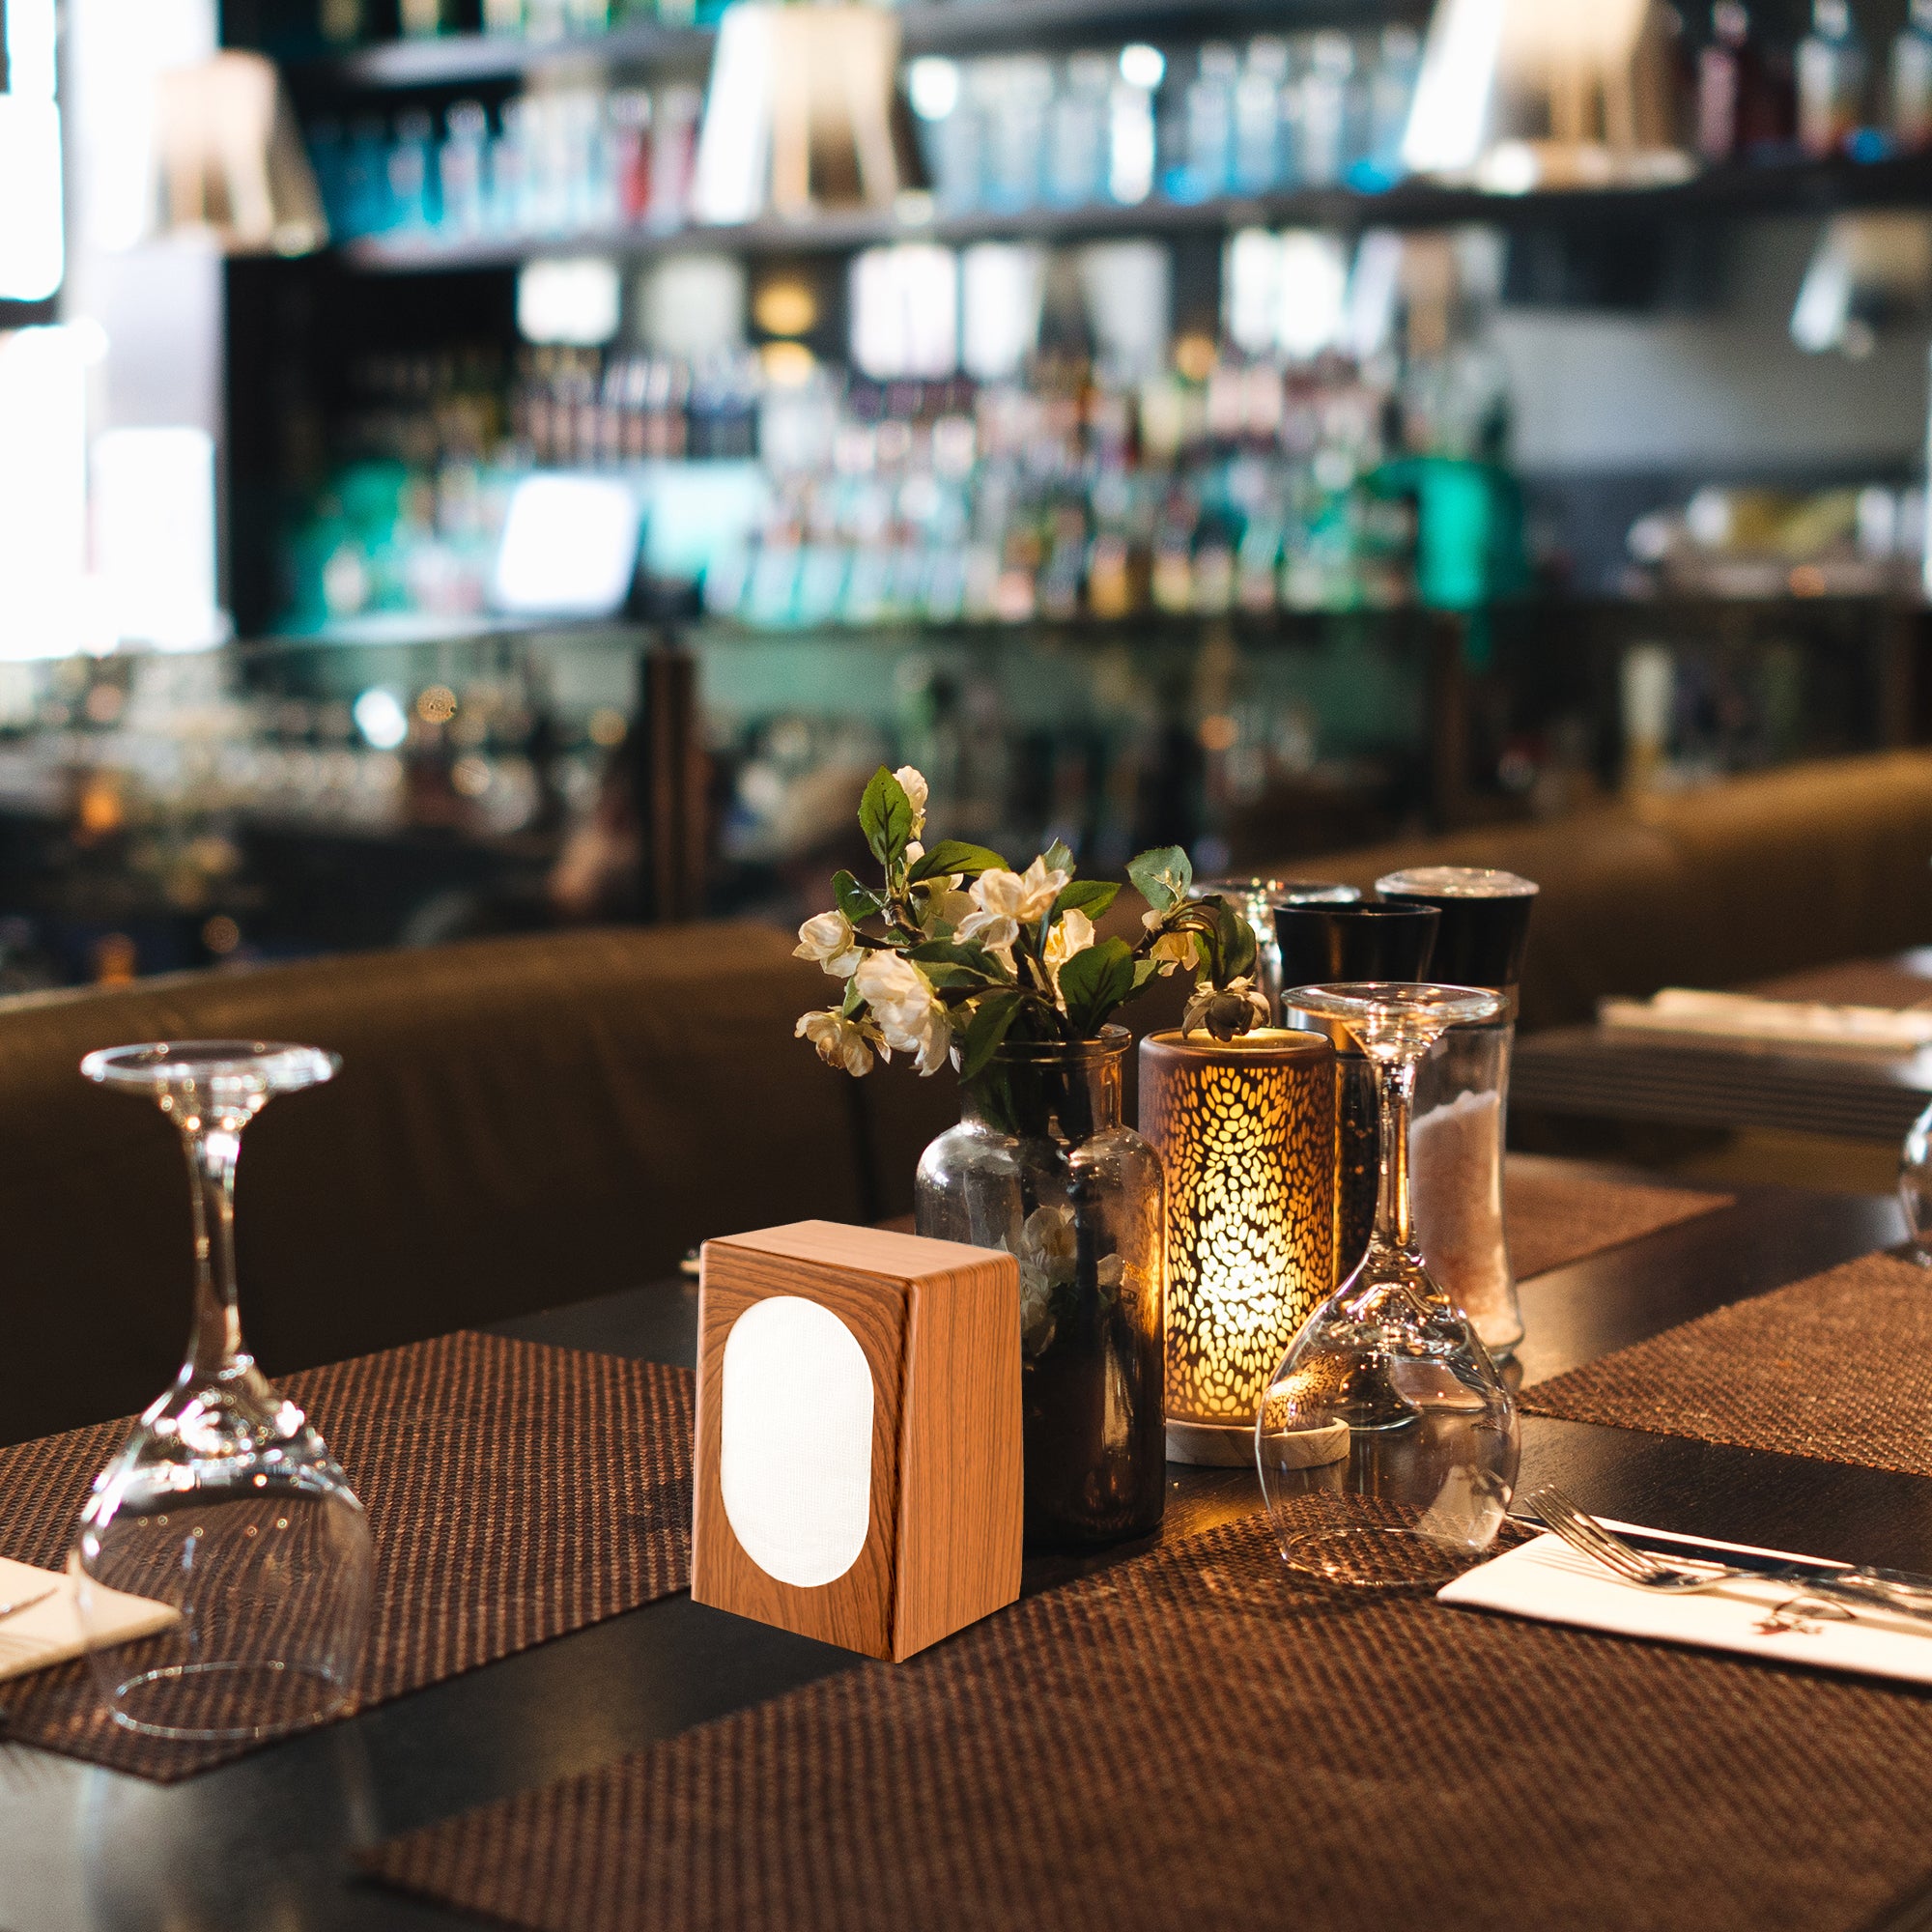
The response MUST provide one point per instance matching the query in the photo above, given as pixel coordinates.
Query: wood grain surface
(960, 1489)
(938, 1324)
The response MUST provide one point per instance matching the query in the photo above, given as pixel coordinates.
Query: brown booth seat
(526, 1121)
(1713, 887)
(518, 1122)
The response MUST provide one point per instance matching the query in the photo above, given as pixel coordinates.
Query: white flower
(931, 1045)
(898, 993)
(1072, 932)
(1007, 902)
(828, 939)
(914, 852)
(840, 1043)
(995, 932)
(1173, 950)
(1039, 889)
(913, 783)
(909, 1018)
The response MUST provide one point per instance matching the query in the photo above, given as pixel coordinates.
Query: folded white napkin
(1796, 1023)
(1550, 1582)
(49, 1631)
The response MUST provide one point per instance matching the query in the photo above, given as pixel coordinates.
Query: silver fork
(1629, 1564)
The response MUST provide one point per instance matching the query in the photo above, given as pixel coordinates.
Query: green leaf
(946, 975)
(885, 818)
(853, 1000)
(1162, 876)
(1058, 858)
(968, 955)
(992, 1020)
(954, 855)
(853, 899)
(1094, 981)
(1234, 944)
(1144, 971)
(1092, 897)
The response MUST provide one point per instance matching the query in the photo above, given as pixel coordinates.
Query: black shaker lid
(1325, 945)
(1484, 920)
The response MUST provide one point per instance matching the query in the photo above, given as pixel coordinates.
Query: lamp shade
(1245, 1131)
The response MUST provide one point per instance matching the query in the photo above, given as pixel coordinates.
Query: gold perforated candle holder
(1245, 1131)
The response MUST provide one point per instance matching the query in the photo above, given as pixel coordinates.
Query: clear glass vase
(224, 1504)
(1041, 1167)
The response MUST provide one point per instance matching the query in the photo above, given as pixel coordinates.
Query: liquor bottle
(1132, 135)
(1077, 167)
(1209, 125)
(1912, 81)
(1323, 91)
(1831, 80)
(1391, 94)
(341, 23)
(1721, 82)
(1257, 150)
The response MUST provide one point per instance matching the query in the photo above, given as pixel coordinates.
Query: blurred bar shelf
(1797, 187)
(461, 60)
(965, 26)
(403, 629)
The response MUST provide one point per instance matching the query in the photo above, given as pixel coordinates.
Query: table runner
(482, 1420)
(516, 1491)
(1554, 1212)
(1192, 1737)
(1559, 1212)
(1838, 1366)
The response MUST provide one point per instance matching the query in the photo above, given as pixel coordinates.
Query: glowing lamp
(1245, 1131)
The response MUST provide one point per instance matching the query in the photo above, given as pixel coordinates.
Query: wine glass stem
(1395, 1214)
(216, 1345)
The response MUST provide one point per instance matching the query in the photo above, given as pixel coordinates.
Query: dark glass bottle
(1043, 1167)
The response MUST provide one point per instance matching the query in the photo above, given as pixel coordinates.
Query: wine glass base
(225, 1703)
(1373, 1558)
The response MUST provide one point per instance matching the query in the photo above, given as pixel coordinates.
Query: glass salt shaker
(1461, 1092)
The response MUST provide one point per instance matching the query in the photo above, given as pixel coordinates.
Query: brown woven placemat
(1838, 1366)
(515, 1492)
(1193, 1739)
(1555, 1212)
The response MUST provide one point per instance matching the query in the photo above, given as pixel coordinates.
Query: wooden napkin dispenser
(857, 1460)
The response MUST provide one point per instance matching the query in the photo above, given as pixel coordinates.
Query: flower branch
(955, 953)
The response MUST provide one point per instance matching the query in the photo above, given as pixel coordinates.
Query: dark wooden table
(1616, 1074)
(264, 1843)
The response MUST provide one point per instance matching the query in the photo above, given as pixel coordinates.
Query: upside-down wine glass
(224, 1504)
(1386, 1441)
